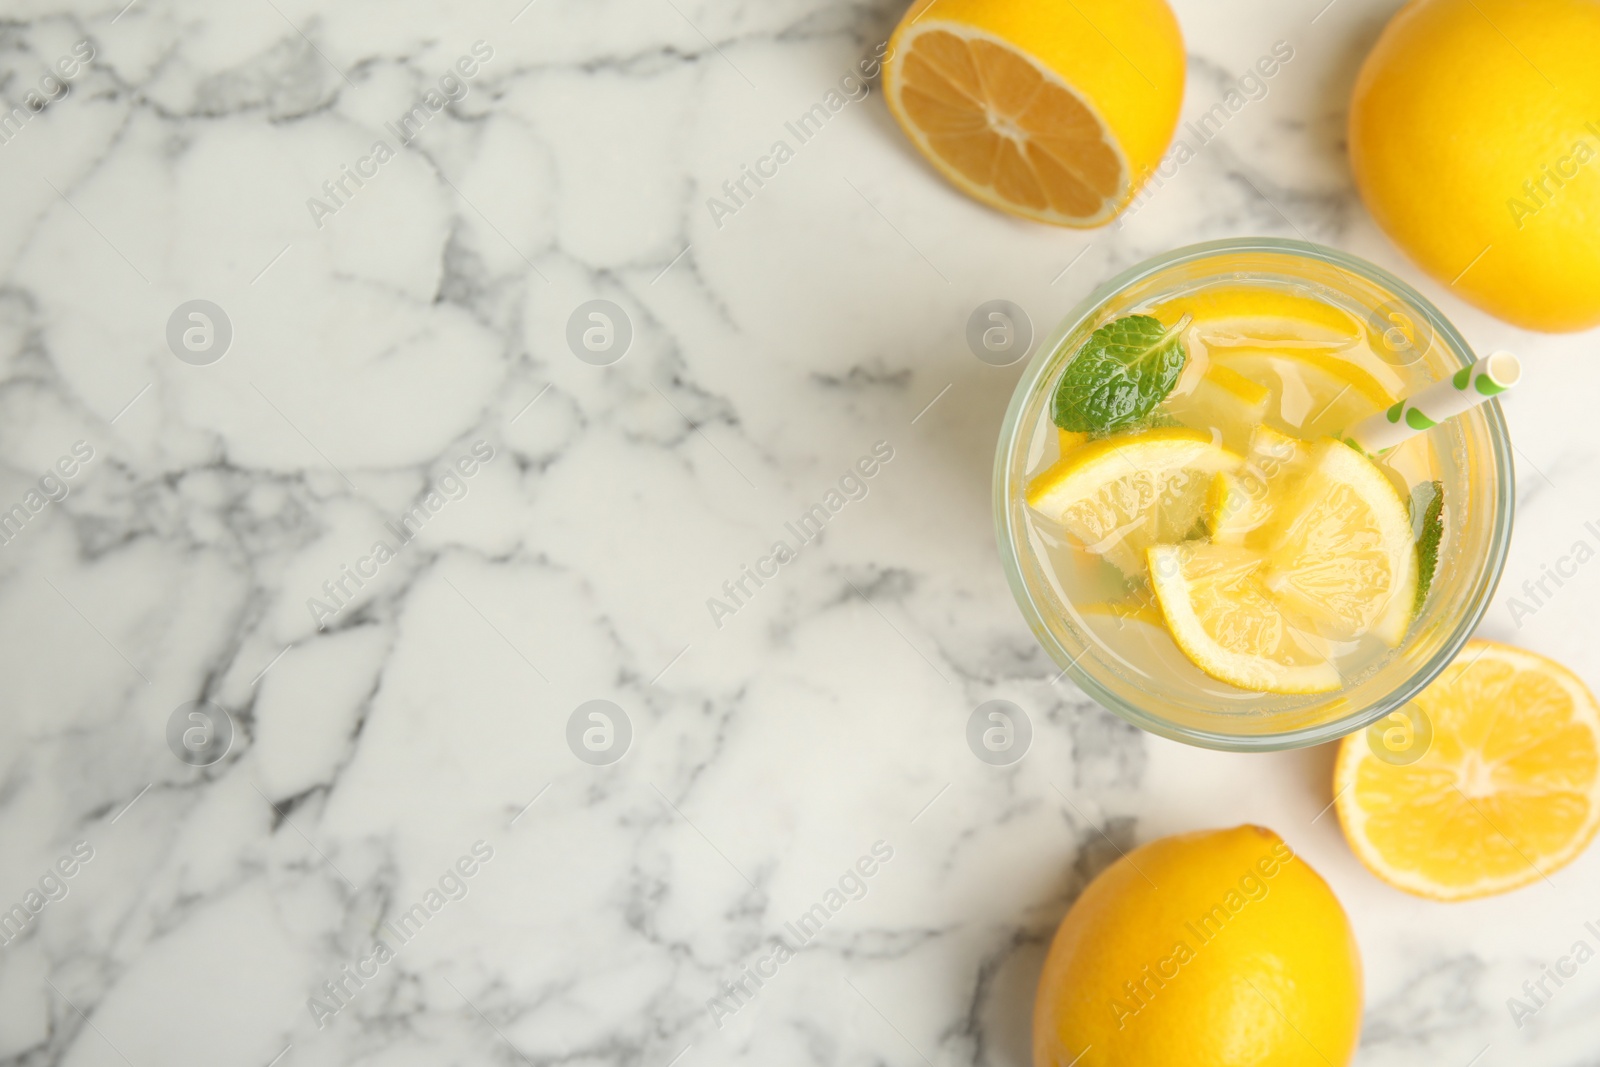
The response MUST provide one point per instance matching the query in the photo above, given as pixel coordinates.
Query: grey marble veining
(400, 716)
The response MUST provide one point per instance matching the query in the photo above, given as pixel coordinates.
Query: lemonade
(1164, 521)
(1200, 540)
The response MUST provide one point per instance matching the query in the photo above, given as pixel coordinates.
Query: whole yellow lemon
(1212, 949)
(1475, 139)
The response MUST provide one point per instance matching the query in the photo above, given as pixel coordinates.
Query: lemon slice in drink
(1221, 614)
(1342, 554)
(1261, 313)
(1068, 440)
(1242, 501)
(1224, 399)
(1334, 562)
(1138, 606)
(1292, 344)
(1313, 390)
(1120, 495)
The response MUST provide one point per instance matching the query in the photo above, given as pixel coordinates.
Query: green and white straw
(1463, 391)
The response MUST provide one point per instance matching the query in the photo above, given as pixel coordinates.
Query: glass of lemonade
(1187, 528)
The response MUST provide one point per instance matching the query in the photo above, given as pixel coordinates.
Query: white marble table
(399, 770)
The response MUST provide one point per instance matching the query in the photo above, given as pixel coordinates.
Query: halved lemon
(1120, 495)
(1507, 792)
(1227, 622)
(1055, 112)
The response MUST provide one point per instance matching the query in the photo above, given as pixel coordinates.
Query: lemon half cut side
(1053, 112)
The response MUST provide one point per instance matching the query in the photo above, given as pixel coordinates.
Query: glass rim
(1488, 577)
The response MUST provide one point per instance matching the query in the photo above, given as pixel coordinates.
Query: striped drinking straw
(1463, 391)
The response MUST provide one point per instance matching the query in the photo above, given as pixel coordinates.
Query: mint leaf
(1427, 525)
(1121, 373)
